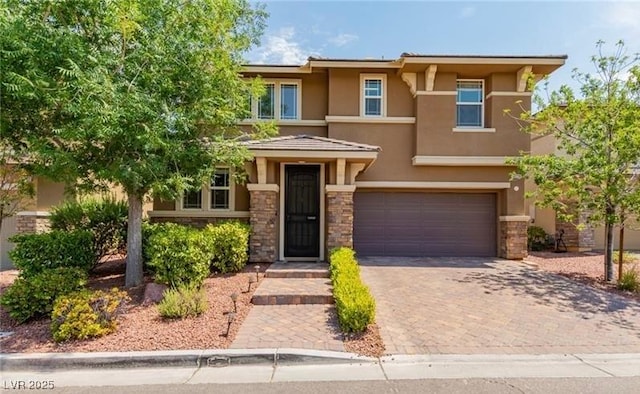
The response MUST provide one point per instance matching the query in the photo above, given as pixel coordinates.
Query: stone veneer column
(339, 216)
(513, 237)
(30, 222)
(577, 240)
(263, 205)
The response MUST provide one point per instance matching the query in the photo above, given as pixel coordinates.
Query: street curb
(175, 358)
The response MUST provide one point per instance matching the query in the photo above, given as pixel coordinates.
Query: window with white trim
(219, 194)
(280, 101)
(372, 93)
(470, 103)
(220, 189)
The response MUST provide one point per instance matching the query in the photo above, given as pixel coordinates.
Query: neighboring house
(34, 217)
(588, 237)
(402, 157)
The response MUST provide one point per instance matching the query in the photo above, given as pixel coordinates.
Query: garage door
(424, 224)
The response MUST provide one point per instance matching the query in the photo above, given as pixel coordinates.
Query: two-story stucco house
(401, 157)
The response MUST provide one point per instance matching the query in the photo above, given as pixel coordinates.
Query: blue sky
(385, 29)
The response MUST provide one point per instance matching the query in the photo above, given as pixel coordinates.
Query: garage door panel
(425, 224)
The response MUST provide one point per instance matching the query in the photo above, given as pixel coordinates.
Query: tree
(16, 186)
(597, 132)
(145, 94)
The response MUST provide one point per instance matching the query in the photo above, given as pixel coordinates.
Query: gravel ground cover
(141, 327)
(587, 267)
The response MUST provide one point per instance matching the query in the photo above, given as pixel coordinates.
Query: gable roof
(309, 143)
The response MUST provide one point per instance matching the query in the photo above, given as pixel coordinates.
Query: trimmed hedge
(228, 242)
(355, 305)
(36, 253)
(106, 219)
(34, 296)
(86, 314)
(179, 255)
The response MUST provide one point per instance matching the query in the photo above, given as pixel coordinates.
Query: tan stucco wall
(49, 194)
(631, 237)
(344, 93)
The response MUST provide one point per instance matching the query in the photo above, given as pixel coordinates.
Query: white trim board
(432, 185)
(459, 160)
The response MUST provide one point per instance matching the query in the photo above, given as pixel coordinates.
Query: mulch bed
(587, 268)
(141, 327)
(369, 343)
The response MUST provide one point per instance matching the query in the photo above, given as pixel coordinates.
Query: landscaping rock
(153, 293)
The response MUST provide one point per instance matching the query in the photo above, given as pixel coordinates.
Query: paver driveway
(474, 305)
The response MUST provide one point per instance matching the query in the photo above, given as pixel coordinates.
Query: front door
(302, 211)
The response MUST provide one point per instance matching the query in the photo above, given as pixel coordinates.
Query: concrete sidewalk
(386, 368)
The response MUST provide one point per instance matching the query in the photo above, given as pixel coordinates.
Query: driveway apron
(492, 306)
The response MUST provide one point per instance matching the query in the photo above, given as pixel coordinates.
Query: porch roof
(309, 143)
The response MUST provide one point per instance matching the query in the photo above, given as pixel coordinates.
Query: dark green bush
(106, 219)
(228, 242)
(536, 238)
(33, 296)
(178, 255)
(355, 305)
(35, 253)
(86, 314)
(185, 301)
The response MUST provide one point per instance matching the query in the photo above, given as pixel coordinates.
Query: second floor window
(469, 104)
(280, 101)
(372, 95)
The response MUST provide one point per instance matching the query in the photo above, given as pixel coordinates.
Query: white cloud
(467, 12)
(282, 48)
(343, 39)
(625, 17)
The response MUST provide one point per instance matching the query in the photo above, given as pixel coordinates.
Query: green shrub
(355, 305)
(179, 255)
(33, 296)
(86, 314)
(536, 238)
(148, 229)
(630, 280)
(228, 244)
(186, 301)
(106, 219)
(627, 257)
(35, 253)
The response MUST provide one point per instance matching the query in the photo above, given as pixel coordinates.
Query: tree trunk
(134, 273)
(620, 252)
(608, 261)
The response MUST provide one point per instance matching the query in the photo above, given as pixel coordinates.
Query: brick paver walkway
(290, 326)
(463, 306)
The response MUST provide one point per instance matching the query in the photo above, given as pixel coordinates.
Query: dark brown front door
(302, 211)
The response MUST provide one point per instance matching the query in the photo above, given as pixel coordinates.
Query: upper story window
(469, 103)
(219, 194)
(372, 94)
(280, 101)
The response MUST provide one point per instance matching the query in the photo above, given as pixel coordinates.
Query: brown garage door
(424, 224)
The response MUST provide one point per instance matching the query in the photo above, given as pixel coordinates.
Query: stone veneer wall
(513, 239)
(262, 241)
(32, 222)
(577, 240)
(339, 219)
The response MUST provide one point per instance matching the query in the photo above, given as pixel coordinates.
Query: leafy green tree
(594, 171)
(145, 94)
